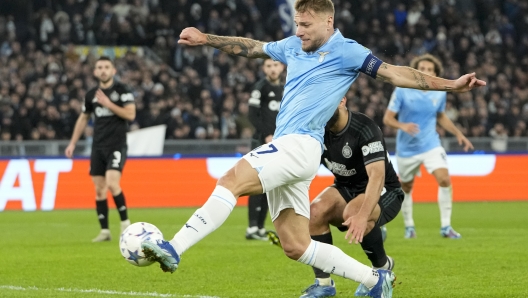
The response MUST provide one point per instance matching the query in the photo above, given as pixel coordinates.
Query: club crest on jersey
(322, 56)
(347, 151)
(434, 100)
(114, 96)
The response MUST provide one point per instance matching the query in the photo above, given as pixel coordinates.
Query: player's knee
(444, 181)
(114, 188)
(407, 186)
(293, 250)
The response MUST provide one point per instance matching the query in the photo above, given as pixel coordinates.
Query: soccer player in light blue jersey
(418, 143)
(321, 66)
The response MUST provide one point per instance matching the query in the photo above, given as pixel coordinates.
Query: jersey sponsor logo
(273, 105)
(322, 56)
(271, 94)
(339, 169)
(372, 148)
(103, 112)
(347, 151)
(114, 96)
(127, 97)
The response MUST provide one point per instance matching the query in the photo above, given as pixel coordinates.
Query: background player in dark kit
(264, 106)
(355, 153)
(113, 106)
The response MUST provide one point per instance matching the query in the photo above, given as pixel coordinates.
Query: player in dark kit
(113, 106)
(366, 193)
(264, 106)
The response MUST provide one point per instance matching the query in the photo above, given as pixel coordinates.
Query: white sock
(332, 260)
(407, 210)
(445, 202)
(205, 220)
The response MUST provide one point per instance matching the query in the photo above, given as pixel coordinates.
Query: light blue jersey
(418, 107)
(317, 81)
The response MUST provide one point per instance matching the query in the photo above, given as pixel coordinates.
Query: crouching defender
(366, 194)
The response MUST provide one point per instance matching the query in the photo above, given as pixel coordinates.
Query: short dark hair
(105, 58)
(316, 5)
(438, 68)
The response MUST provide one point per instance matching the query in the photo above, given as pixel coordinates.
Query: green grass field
(49, 254)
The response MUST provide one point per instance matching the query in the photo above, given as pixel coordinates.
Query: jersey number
(116, 160)
(273, 149)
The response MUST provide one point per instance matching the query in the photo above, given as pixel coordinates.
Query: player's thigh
(112, 177)
(408, 167)
(116, 158)
(442, 177)
(286, 160)
(327, 208)
(241, 179)
(390, 204)
(293, 232)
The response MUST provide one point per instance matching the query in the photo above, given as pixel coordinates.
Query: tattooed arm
(407, 77)
(232, 45)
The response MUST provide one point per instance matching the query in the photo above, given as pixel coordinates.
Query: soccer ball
(130, 242)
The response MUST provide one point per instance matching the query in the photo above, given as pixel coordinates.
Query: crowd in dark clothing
(202, 93)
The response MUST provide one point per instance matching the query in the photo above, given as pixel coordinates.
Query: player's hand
(192, 37)
(411, 128)
(102, 99)
(69, 150)
(268, 139)
(467, 82)
(463, 141)
(357, 225)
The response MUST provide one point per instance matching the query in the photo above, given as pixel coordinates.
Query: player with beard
(113, 106)
(263, 109)
(355, 152)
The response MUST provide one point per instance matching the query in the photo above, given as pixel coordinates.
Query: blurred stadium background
(47, 49)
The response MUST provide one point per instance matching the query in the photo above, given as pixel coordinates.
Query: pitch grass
(49, 254)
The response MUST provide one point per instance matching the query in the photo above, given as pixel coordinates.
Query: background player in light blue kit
(418, 142)
(321, 66)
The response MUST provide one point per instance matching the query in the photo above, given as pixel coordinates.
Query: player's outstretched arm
(407, 77)
(232, 45)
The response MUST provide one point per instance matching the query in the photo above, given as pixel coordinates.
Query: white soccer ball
(130, 242)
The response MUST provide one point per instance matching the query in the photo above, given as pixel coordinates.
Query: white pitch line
(98, 291)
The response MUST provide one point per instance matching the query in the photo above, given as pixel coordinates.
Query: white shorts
(286, 167)
(433, 159)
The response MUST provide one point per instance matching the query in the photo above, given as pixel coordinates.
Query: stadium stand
(203, 94)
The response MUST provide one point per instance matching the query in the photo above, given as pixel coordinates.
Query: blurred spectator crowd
(201, 93)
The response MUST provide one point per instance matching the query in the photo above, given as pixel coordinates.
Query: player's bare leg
(113, 179)
(445, 203)
(101, 208)
(240, 180)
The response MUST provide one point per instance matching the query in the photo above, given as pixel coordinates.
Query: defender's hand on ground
(69, 150)
(192, 37)
(357, 225)
(468, 82)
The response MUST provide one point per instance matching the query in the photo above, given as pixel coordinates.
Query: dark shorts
(390, 203)
(103, 159)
